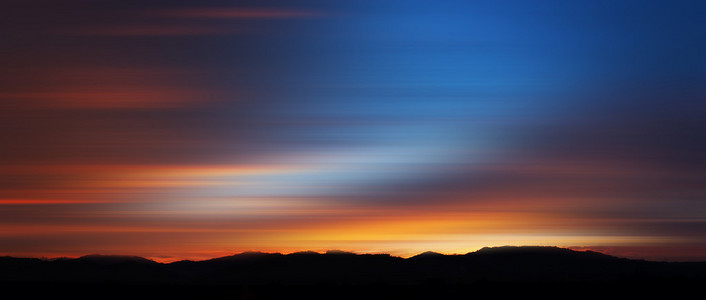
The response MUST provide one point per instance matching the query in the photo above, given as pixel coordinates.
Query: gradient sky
(196, 129)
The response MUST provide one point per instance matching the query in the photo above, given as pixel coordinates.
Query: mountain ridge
(496, 250)
(350, 275)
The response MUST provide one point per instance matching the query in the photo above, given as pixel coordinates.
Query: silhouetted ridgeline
(257, 275)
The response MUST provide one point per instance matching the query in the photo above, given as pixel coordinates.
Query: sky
(197, 129)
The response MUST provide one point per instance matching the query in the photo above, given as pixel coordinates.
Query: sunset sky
(197, 129)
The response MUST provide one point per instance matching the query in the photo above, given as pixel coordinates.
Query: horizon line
(164, 260)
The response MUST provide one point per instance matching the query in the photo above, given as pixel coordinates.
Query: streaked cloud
(240, 13)
(106, 87)
(45, 201)
(185, 22)
(156, 30)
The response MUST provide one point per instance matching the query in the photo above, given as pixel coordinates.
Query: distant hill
(501, 269)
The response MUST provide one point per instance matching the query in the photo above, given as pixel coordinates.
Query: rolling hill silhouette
(501, 270)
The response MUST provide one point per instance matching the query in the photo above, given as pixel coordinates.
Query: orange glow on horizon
(217, 226)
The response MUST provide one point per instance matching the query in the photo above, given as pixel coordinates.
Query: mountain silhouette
(339, 274)
(114, 259)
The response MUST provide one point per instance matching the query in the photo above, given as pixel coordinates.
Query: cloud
(194, 21)
(154, 30)
(102, 87)
(46, 201)
(240, 13)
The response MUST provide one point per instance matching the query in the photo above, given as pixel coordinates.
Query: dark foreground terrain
(502, 272)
